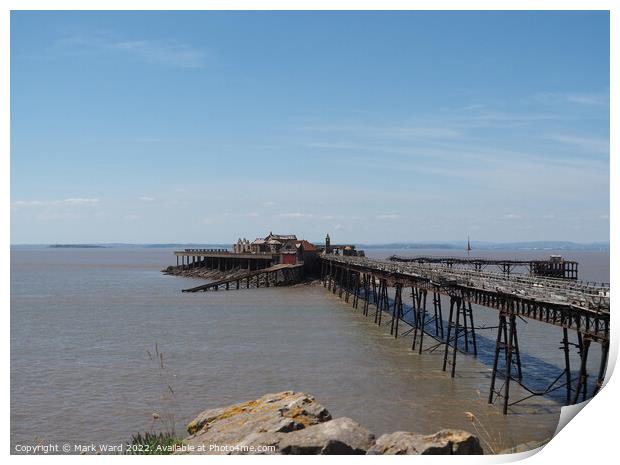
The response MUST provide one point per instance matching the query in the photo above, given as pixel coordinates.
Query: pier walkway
(275, 275)
(555, 267)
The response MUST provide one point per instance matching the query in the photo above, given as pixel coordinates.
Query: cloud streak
(578, 98)
(171, 53)
(167, 52)
(45, 203)
(591, 144)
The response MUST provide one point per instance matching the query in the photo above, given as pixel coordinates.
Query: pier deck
(271, 276)
(555, 267)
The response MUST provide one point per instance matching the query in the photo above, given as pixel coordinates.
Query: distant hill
(534, 245)
(447, 245)
(76, 246)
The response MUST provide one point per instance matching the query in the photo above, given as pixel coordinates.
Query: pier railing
(207, 250)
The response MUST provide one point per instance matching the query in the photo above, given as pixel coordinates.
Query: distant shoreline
(524, 246)
(76, 246)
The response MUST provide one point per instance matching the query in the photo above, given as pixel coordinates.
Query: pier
(406, 293)
(223, 260)
(565, 303)
(555, 267)
(277, 275)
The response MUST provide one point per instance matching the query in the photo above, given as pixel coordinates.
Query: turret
(327, 244)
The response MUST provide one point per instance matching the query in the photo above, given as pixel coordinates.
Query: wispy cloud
(169, 52)
(79, 201)
(591, 144)
(403, 131)
(295, 215)
(306, 216)
(579, 98)
(45, 203)
(242, 215)
(146, 198)
(388, 216)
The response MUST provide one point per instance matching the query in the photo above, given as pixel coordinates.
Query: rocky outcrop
(444, 442)
(273, 413)
(295, 423)
(339, 436)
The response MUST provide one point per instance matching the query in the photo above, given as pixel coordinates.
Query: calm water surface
(82, 321)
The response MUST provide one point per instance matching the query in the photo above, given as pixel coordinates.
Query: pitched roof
(282, 237)
(308, 246)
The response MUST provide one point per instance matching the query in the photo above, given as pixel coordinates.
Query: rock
(295, 423)
(444, 442)
(273, 413)
(340, 436)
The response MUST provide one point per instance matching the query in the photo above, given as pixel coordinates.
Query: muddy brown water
(82, 321)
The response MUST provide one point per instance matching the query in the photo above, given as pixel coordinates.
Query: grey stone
(273, 413)
(295, 423)
(444, 442)
(339, 436)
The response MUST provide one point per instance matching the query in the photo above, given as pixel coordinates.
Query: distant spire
(468, 246)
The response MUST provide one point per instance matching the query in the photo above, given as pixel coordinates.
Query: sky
(374, 127)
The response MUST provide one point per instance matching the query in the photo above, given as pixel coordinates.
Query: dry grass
(494, 444)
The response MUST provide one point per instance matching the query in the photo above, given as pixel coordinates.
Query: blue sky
(374, 127)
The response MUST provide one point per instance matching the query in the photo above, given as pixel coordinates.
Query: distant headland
(76, 246)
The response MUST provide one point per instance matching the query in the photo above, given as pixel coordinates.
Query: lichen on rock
(295, 423)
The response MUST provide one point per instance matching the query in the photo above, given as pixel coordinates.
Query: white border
(590, 438)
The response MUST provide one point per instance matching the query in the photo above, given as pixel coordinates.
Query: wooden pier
(223, 260)
(554, 267)
(277, 275)
(543, 290)
(569, 304)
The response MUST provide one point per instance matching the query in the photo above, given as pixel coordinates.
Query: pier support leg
(420, 320)
(356, 290)
(566, 348)
(515, 344)
(378, 298)
(456, 339)
(507, 340)
(602, 367)
(447, 348)
(582, 381)
(396, 310)
(473, 332)
(438, 314)
(498, 347)
(508, 375)
(463, 309)
(366, 294)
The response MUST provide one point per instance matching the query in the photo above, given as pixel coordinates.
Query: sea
(104, 346)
